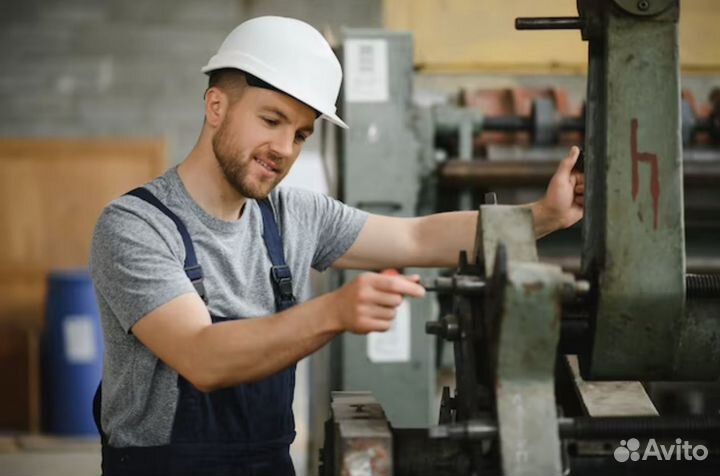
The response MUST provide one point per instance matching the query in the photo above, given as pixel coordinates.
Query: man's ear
(216, 106)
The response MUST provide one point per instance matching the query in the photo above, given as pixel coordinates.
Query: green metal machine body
(634, 240)
(632, 313)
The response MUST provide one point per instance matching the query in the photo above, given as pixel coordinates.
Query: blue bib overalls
(242, 430)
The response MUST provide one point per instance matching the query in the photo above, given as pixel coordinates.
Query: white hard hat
(288, 54)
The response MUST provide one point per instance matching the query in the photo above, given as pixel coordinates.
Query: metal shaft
(480, 173)
(597, 428)
(463, 287)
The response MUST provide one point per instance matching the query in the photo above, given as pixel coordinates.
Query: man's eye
(300, 138)
(271, 122)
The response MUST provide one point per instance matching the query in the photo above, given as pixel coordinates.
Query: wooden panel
(20, 375)
(51, 193)
(22, 297)
(480, 35)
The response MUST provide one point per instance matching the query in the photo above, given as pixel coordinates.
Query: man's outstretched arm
(435, 240)
(214, 356)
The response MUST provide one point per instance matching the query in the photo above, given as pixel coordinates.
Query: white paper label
(79, 339)
(366, 71)
(394, 344)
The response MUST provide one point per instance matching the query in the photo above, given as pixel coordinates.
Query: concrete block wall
(128, 67)
(79, 68)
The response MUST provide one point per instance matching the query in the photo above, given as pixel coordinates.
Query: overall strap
(193, 270)
(280, 274)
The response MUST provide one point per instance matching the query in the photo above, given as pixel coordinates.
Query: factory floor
(38, 455)
(43, 455)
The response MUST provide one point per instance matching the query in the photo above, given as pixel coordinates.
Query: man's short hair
(232, 81)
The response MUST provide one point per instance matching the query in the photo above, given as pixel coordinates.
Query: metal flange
(646, 8)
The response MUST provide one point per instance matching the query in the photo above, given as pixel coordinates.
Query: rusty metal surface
(363, 439)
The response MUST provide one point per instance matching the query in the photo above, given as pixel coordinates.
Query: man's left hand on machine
(562, 205)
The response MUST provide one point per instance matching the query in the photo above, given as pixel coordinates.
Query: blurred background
(445, 100)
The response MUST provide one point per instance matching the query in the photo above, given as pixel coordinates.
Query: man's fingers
(395, 272)
(415, 278)
(399, 284)
(567, 164)
(379, 325)
(580, 200)
(579, 188)
(381, 312)
(384, 299)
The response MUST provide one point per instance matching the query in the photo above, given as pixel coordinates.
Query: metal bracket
(524, 308)
(526, 314)
(509, 224)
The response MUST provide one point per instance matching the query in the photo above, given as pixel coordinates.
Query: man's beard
(237, 170)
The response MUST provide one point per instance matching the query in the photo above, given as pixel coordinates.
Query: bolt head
(434, 328)
(643, 5)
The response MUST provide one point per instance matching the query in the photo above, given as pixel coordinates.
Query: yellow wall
(479, 35)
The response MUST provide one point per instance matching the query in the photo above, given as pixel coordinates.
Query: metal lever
(548, 23)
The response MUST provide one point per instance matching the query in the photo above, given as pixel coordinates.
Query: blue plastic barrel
(72, 354)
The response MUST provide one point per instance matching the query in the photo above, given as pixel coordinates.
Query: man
(197, 274)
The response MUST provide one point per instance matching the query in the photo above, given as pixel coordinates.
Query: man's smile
(267, 165)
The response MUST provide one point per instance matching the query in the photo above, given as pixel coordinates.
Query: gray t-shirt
(137, 265)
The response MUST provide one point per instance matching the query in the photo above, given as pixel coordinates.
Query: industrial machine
(548, 363)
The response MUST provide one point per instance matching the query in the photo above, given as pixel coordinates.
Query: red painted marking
(651, 159)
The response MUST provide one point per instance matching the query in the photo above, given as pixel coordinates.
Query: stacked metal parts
(562, 364)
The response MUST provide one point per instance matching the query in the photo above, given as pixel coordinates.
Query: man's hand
(562, 205)
(368, 302)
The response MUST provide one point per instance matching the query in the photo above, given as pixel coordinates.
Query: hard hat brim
(335, 120)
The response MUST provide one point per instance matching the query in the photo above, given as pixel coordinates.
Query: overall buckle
(282, 278)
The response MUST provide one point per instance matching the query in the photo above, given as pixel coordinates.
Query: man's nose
(283, 144)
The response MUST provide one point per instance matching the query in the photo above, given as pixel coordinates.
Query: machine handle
(548, 23)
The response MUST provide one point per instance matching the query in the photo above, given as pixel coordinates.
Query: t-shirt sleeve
(136, 266)
(336, 225)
